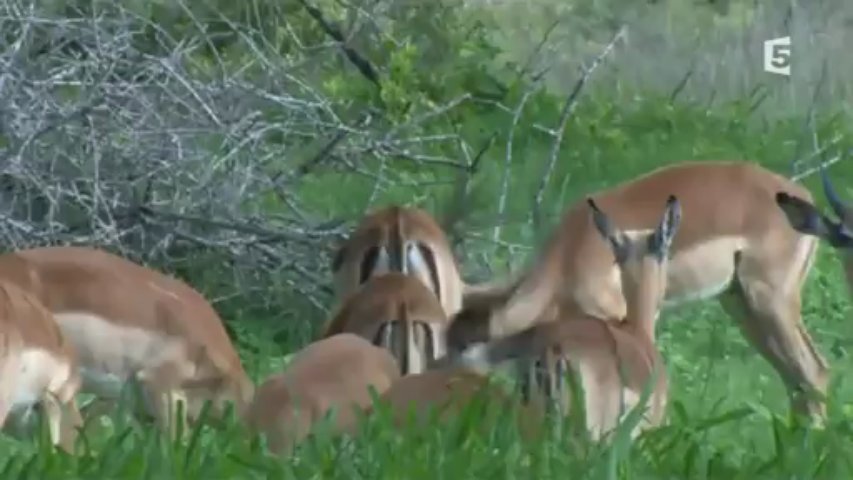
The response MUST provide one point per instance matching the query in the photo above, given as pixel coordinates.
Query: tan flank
(734, 241)
(333, 373)
(399, 239)
(443, 393)
(397, 312)
(129, 322)
(37, 366)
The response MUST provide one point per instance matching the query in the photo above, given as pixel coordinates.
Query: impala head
(469, 326)
(805, 217)
(222, 391)
(641, 255)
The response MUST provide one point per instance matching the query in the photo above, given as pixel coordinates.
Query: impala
(614, 361)
(397, 312)
(735, 244)
(443, 393)
(399, 239)
(128, 322)
(333, 374)
(37, 366)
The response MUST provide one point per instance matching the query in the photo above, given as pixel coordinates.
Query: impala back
(447, 392)
(335, 373)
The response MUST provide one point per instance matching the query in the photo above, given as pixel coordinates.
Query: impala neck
(642, 297)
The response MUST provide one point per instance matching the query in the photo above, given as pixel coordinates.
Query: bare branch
(496, 233)
(812, 170)
(459, 204)
(809, 118)
(174, 152)
(361, 63)
(565, 114)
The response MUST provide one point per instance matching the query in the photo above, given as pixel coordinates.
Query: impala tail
(393, 239)
(410, 256)
(412, 342)
(404, 240)
(805, 217)
(546, 375)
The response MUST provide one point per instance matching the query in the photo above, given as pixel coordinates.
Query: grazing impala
(399, 239)
(805, 218)
(335, 373)
(397, 312)
(615, 361)
(37, 365)
(127, 322)
(446, 391)
(734, 241)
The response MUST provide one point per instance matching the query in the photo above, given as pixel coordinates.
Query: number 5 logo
(777, 56)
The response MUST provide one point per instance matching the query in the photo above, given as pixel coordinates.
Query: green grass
(728, 408)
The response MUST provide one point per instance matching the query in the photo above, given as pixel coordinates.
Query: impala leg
(166, 409)
(769, 316)
(53, 412)
(162, 400)
(277, 443)
(63, 421)
(72, 422)
(9, 371)
(4, 412)
(281, 441)
(603, 395)
(160, 387)
(179, 411)
(525, 376)
(5, 396)
(287, 429)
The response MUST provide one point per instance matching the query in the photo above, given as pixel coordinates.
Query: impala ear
(611, 234)
(599, 218)
(668, 226)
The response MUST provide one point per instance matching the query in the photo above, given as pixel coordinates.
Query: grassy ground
(728, 411)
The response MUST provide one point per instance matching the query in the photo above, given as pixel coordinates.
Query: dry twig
(565, 114)
(164, 158)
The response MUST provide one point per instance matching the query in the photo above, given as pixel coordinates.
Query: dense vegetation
(271, 126)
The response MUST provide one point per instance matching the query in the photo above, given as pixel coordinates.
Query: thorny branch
(809, 119)
(496, 233)
(459, 205)
(361, 63)
(565, 114)
(160, 157)
(818, 153)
